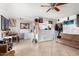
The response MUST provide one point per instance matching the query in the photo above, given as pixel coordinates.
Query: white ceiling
(24, 10)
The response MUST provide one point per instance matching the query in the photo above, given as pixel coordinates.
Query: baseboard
(44, 41)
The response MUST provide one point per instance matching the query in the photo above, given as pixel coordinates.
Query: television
(4, 23)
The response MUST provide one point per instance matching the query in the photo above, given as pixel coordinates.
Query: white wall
(2, 12)
(26, 31)
(72, 28)
(18, 30)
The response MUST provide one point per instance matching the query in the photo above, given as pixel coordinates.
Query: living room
(17, 20)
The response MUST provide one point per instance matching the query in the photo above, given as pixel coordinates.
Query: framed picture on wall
(12, 22)
(24, 25)
(4, 23)
(50, 22)
(69, 22)
(41, 20)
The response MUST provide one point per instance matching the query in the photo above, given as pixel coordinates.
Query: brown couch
(4, 50)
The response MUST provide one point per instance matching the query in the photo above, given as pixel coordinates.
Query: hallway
(47, 48)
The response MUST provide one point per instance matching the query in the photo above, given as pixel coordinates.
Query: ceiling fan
(53, 6)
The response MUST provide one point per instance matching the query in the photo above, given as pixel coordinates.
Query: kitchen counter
(46, 35)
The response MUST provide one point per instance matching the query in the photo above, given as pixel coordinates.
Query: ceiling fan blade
(58, 4)
(48, 9)
(45, 6)
(57, 9)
